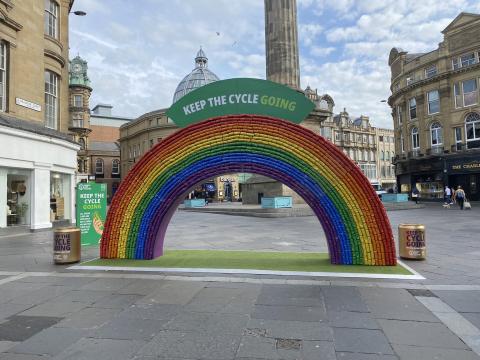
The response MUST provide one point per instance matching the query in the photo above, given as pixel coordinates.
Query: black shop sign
(464, 166)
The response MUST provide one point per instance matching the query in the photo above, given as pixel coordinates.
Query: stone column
(281, 42)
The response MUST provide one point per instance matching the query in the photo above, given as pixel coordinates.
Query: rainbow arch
(352, 216)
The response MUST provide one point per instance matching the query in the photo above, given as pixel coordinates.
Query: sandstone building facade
(37, 157)
(436, 112)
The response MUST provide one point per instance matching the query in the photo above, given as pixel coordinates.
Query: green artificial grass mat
(260, 260)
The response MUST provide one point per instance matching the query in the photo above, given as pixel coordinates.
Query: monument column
(281, 42)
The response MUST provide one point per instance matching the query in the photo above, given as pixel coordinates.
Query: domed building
(140, 135)
(199, 76)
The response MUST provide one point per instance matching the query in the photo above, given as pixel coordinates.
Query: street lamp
(80, 13)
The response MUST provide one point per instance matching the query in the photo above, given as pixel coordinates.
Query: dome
(199, 76)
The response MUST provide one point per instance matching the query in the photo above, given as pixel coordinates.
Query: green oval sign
(240, 96)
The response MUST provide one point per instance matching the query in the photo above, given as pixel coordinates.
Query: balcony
(79, 127)
(435, 150)
(415, 153)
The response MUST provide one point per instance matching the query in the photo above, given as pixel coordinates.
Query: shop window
(59, 196)
(99, 166)
(436, 134)
(18, 198)
(51, 18)
(472, 130)
(115, 167)
(433, 102)
(51, 99)
(3, 76)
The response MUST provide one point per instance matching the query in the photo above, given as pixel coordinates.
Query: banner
(91, 211)
(240, 96)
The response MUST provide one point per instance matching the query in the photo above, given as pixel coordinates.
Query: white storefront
(37, 177)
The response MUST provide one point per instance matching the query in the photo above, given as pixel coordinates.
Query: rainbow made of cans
(352, 216)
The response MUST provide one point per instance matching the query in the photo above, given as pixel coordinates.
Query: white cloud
(321, 51)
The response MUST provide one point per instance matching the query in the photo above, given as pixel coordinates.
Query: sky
(138, 51)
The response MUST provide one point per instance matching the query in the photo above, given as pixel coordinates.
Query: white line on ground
(460, 326)
(248, 272)
(12, 278)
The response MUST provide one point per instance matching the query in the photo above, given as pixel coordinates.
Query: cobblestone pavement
(49, 312)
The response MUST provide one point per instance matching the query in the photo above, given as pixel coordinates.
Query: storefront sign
(240, 96)
(226, 179)
(28, 104)
(464, 166)
(91, 211)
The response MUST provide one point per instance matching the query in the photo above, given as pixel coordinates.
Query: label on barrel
(62, 243)
(415, 243)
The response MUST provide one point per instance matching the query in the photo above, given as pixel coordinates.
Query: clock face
(77, 68)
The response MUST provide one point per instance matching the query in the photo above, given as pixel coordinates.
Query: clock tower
(79, 109)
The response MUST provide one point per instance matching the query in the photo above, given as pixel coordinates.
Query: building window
(402, 144)
(464, 60)
(3, 76)
(387, 156)
(415, 139)
(458, 95)
(382, 155)
(77, 120)
(399, 114)
(51, 18)
(431, 71)
(81, 141)
(412, 105)
(99, 166)
(458, 138)
(77, 100)
(151, 143)
(433, 102)
(469, 88)
(436, 134)
(51, 99)
(472, 130)
(115, 167)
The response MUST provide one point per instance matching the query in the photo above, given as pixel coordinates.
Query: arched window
(415, 139)
(472, 130)
(115, 167)
(436, 134)
(99, 166)
(382, 157)
(81, 141)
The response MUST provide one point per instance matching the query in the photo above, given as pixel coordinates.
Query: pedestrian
(447, 197)
(415, 194)
(460, 196)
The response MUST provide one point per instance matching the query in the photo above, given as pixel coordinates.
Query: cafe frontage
(431, 175)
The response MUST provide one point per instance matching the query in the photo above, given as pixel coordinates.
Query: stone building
(385, 140)
(80, 91)
(436, 113)
(38, 158)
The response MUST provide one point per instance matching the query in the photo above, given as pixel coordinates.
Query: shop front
(465, 171)
(427, 175)
(37, 176)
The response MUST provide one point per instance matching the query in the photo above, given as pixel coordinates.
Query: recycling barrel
(411, 241)
(66, 245)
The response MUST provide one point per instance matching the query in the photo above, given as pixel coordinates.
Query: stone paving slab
(359, 356)
(208, 323)
(54, 308)
(20, 328)
(129, 329)
(170, 344)
(154, 312)
(88, 318)
(8, 356)
(292, 329)
(354, 320)
(289, 313)
(344, 299)
(361, 341)
(51, 341)
(462, 301)
(101, 349)
(179, 293)
(420, 334)
(428, 353)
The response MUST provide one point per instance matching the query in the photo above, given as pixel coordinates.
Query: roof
(103, 146)
(198, 77)
(462, 19)
(33, 127)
